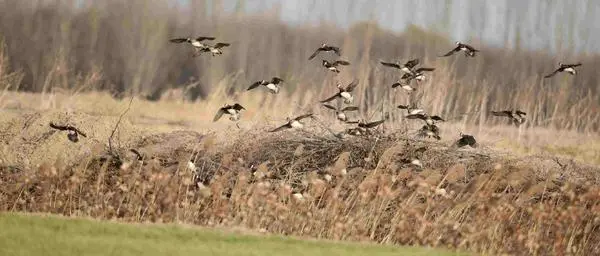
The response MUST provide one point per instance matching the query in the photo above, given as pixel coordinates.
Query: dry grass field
(533, 189)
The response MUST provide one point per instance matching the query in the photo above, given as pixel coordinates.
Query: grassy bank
(47, 235)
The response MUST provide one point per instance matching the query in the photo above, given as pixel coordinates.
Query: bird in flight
(569, 68)
(406, 67)
(332, 66)
(325, 48)
(294, 123)
(232, 110)
(344, 92)
(517, 117)
(469, 50)
(272, 85)
(214, 50)
(73, 132)
(341, 113)
(430, 120)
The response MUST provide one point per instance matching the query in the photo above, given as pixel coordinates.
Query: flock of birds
(411, 72)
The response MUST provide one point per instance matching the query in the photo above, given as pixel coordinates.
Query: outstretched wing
(416, 116)
(470, 48)
(412, 63)
(341, 62)
(552, 74)
(329, 107)
(219, 114)
(285, 126)
(178, 40)
(298, 118)
(419, 70)
(276, 80)
(396, 84)
(254, 85)
(350, 108)
(221, 45)
(350, 87)
(314, 54)
(519, 112)
(390, 64)
(59, 127)
(336, 50)
(202, 38)
(238, 107)
(456, 49)
(437, 118)
(330, 98)
(371, 124)
(403, 106)
(501, 113)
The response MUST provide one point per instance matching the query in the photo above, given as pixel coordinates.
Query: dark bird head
(72, 136)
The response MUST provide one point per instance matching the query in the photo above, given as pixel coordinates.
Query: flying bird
(332, 66)
(344, 92)
(411, 110)
(430, 120)
(292, 123)
(569, 68)
(341, 113)
(325, 48)
(469, 50)
(404, 86)
(232, 110)
(517, 117)
(214, 50)
(429, 131)
(272, 85)
(73, 132)
(406, 67)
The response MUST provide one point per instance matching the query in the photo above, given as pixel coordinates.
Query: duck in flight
(294, 123)
(73, 132)
(232, 110)
(194, 42)
(214, 50)
(406, 67)
(469, 50)
(404, 86)
(325, 48)
(344, 93)
(569, 68)
(272, 85)
(341, 113)
(411, 110)
(517, 117)
(417, 74)
(430, 120)
(332, 66)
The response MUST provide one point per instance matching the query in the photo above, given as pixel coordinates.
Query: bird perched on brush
(344, 93)
(214, 50)
(325, 48)
(467, 49)
(232, 110)
(332, 66)
(272, 85)
(466, 140)
(569, 68)
(294, 123)
(517, 117)
(341, 113)
(73, 132)
(406, 67)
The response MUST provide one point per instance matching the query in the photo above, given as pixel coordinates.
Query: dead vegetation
(314, 185)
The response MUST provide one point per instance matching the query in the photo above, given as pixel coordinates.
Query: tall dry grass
(358, 189)
(124, 47)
